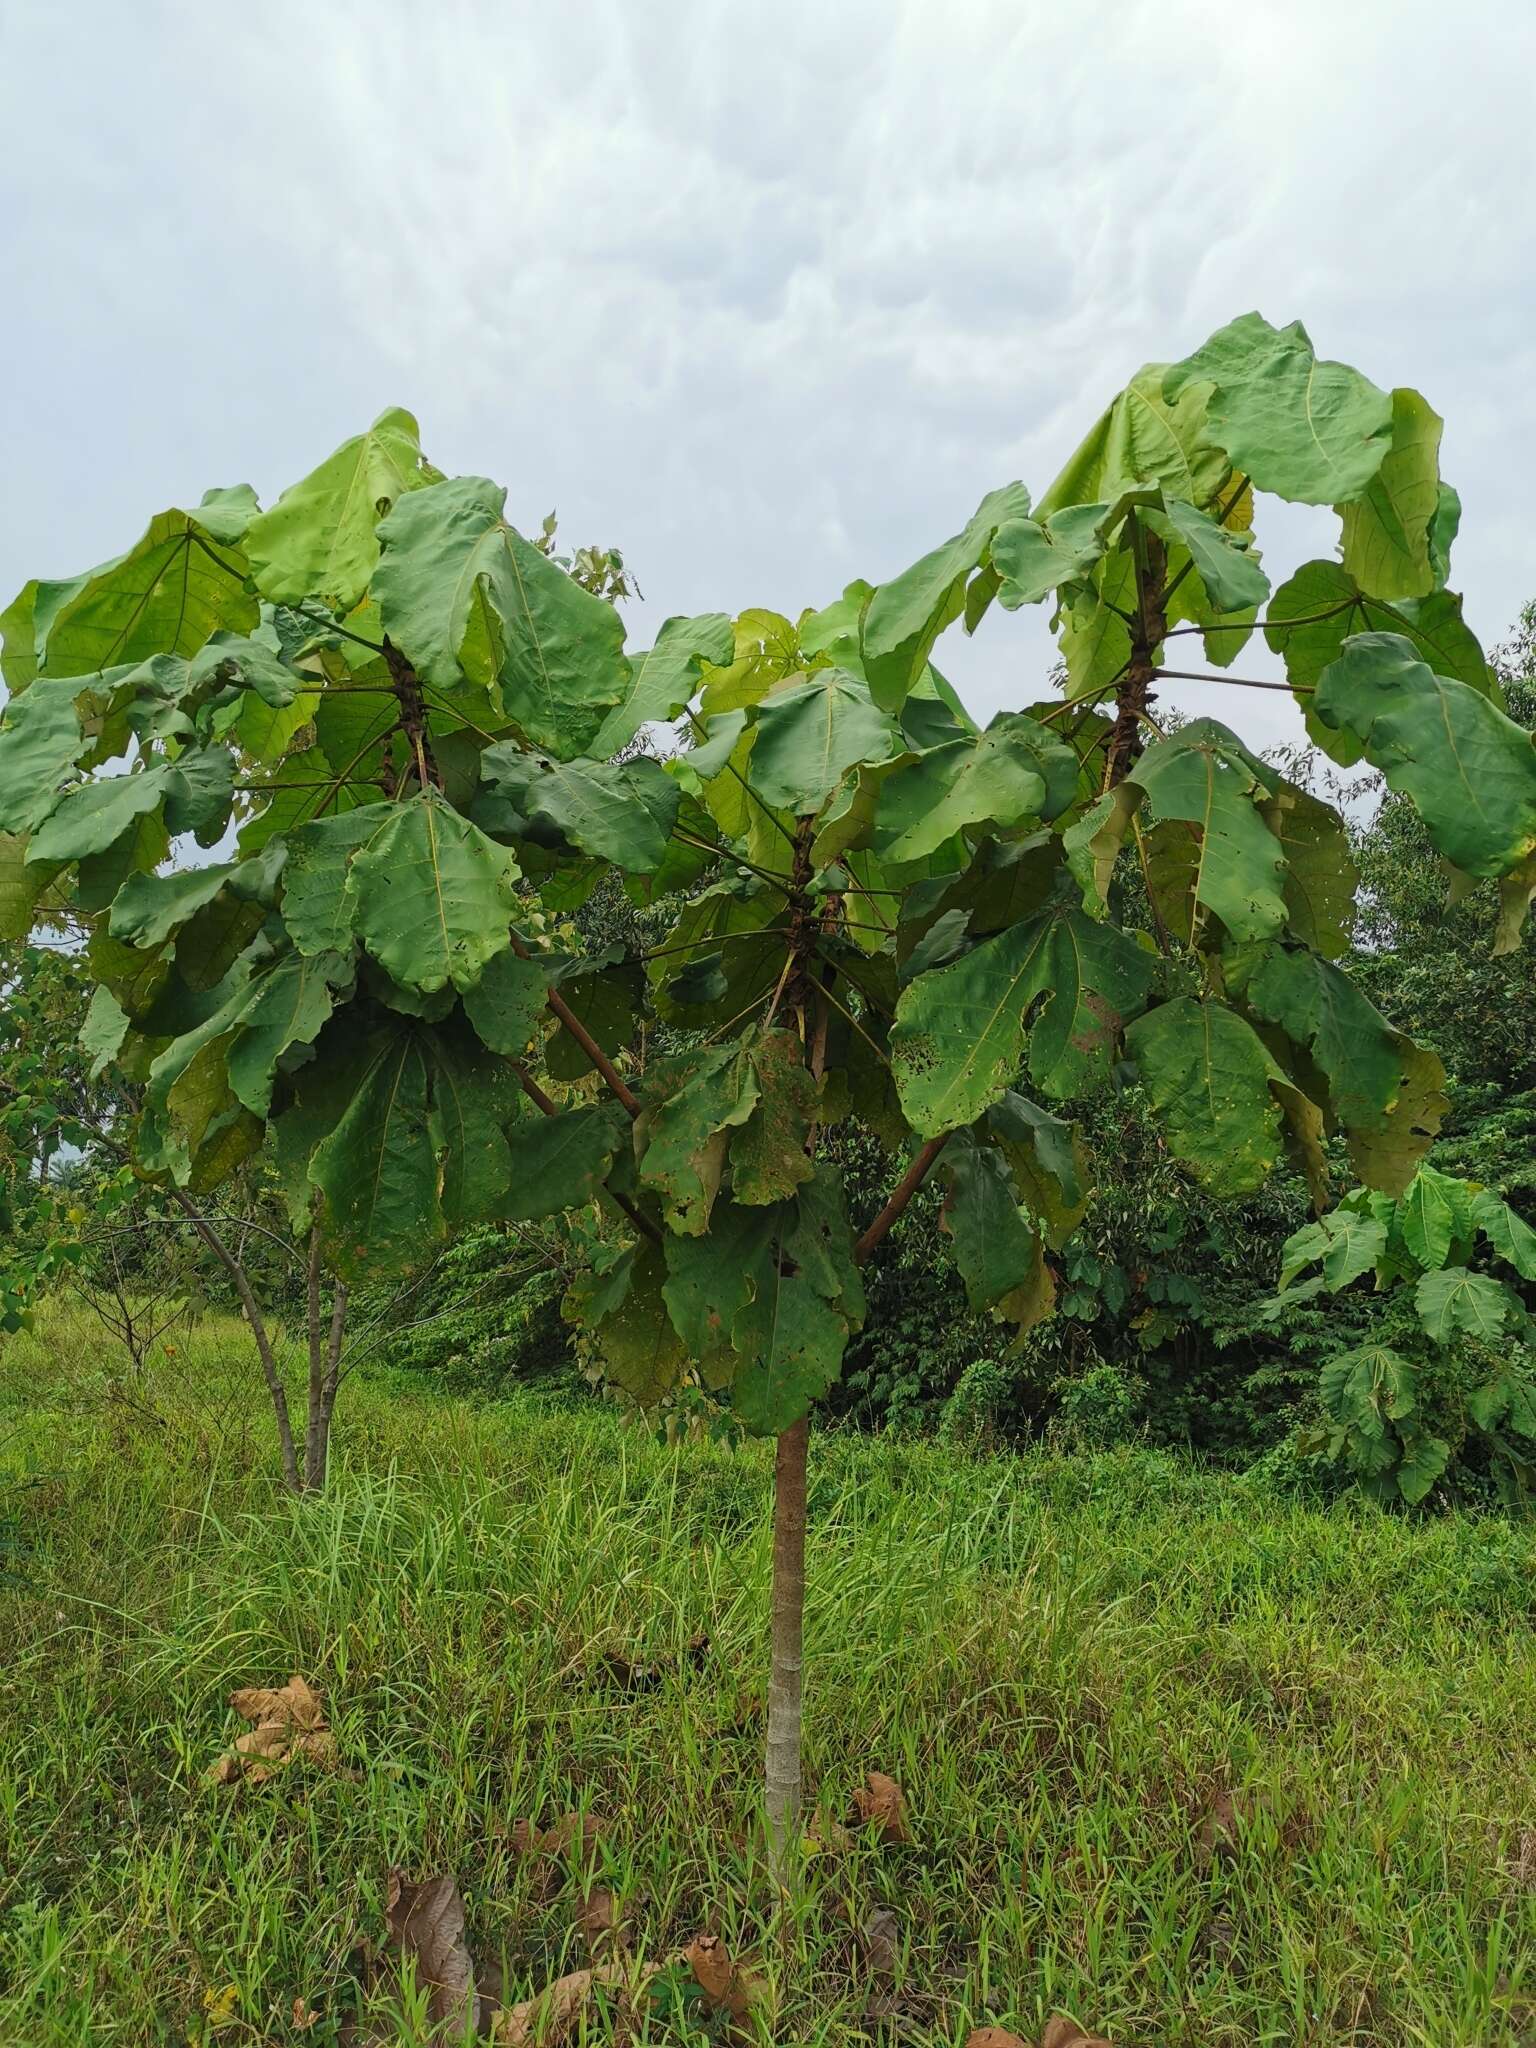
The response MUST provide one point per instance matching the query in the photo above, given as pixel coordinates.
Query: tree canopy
(405, 735)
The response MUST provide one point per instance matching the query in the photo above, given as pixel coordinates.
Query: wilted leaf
(550, 2017)
(289, 1723)
(881, 1936)
(728, 1985)
(880, 1802)
(426, 1924)
(1064, 2033)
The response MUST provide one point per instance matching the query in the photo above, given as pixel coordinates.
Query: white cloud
(768, 296)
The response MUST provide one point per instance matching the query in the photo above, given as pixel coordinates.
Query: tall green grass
(1067, 1662)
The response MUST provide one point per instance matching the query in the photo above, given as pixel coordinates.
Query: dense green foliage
(407, 733)
(1070, 1663)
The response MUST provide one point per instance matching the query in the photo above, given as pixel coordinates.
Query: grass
(1067, 1662)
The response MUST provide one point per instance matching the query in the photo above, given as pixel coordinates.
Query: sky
(767, 296)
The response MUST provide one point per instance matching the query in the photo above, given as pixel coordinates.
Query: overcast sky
(766, 295)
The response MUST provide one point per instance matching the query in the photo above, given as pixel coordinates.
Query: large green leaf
(1201, 778)
(319, 540)
(377, 1169)
(285, 1006)
(1321, 606)
(768, 1151)
(432, 897)
(94, 816)
(810, 734)
(461, 592)
(640, 1350)
(1058, 982)
(559, 1162)
(765, 649)
(1386, 539)
(316, 906)
(1014, 770)
(1208, 1076)
(168, 595)
(681, 1142)
(789, 1342)
(1510, 1235)
(1143, 437)
(1309, 430)
(40, 736)
(995, 1247)
(618, 811)
(21, 885)
(1320, 1008)
(148, 908)
(663, 682)
(309, 786)
(1229, 574)
(1033, 557)
(1320, 873)
(712, 1276)
(906, 615)
(509, 1003)
(1050, 1168)
(1434, 1214)
(1469, 770)
(1456, 1303)
(1388, 1156)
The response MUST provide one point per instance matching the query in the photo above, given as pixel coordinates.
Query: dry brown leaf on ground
(602, 1923)
(289, 1723)
(881, 1800)
(549, 2017)
(1218, 1835)
(570, 1831)
(729, 1986)
(994, 2037)
(295, 1704)
(426, 1923)
(881, 1936)
(1064, 2033)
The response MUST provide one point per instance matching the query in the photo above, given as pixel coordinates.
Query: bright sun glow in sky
(768, 297)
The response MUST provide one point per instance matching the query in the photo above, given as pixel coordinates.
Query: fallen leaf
(1218, 1835)
(729, 1986)
(426, 1923)
(602, 1923)
(529, 1840)
(1064, 2033)
(881, 1800)
(827, 1836)
(294, 1705)
(289, 1723)
(304, 2016)
(547, 2019)
(881, 1935)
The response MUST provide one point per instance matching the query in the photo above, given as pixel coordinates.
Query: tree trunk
(324, 1378)
(785, 1672)
(293, 1478)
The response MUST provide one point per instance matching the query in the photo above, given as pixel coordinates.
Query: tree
(415, 724)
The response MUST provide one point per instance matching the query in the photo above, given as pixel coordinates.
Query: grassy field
(1189, 1762)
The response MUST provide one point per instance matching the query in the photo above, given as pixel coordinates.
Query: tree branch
(540, 1100)
(901, 1195)
(559, 1007)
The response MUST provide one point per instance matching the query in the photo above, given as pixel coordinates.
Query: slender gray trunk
(785, 1680)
